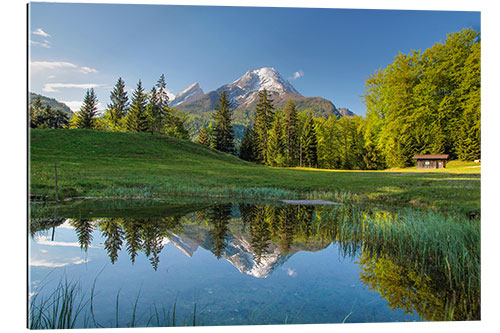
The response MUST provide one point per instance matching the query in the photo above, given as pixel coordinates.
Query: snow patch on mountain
(263, 78)
(190, 93)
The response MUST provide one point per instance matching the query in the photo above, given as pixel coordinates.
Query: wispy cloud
(40, 32)
(53, 87)
(45, 43)
(297, 74)
(38, 66)
(86, 70)
(44, 240)
(48, 263)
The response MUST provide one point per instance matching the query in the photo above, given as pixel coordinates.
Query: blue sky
(75, 46)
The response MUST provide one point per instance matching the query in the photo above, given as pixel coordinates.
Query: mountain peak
(263, 78)
(190, 93)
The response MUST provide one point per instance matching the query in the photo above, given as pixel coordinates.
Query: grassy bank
(125, 165)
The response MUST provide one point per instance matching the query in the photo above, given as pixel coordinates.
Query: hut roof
(431, 157)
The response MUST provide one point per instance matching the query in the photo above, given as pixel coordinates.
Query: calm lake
(223, 264)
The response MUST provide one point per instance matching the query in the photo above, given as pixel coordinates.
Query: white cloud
(297, 74)
(86, 70)
(47, 263)
(51, 76)
(40, 32)
(45, 44)
(38, 66)
(52, 87)
(44, 240)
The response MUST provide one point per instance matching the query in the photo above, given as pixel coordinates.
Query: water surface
(224, 264)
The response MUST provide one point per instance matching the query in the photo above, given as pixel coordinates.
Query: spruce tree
(154, 113)
(309, 143)
(247, 149)
(162, 95)
(276, 147)
(136, 120)
(264, 115)
(223, 133)
(203, 138)
(86, 117)
(119, 106)
(291, 133)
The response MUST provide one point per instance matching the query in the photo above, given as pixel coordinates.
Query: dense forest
(423, 103)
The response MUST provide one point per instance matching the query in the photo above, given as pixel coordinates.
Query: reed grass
(69, 307)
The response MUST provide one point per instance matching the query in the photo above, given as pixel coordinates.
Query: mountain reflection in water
(257, 239)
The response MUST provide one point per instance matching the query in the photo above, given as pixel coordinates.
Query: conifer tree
(162, 96)
(309, 143)
(203, 138)
(119, 106)
(86, 117)
(247, 149)
(223, 132)
(264, 115)
(35, 112)
(291, 133)
(154, 113)
(136, 120)
(275, 148)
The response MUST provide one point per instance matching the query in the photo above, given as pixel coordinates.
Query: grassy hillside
(105, 164)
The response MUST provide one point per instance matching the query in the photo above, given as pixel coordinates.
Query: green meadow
(143, 166)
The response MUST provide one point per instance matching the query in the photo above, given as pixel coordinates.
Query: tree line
(287, 138)
(427, 102)
(143, 112)
(423, 103)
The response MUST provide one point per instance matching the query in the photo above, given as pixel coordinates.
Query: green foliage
(203, 138)
(276, 145)
(427, 103)
(118, 109)
(137, 119)
(309, 144)
(264, 114)
(86, 117)
(291, 133)
(247, 149)
(46, 117)
(175, 124)
(223, 131)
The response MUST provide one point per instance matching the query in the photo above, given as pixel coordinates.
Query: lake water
(220, 264)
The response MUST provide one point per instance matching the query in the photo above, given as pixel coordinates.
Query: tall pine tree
(162, 95)
(136, 120)
(276, 147)
(264, 114)
(223, 133)
(291, 133)
(119, 106)
(309, 144)
(154, 113)
(203, 138)
(247, 149)
(86, 117)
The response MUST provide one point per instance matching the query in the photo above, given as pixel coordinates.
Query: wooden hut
(431, 161)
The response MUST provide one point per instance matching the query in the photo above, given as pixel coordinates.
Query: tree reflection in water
(407, 278)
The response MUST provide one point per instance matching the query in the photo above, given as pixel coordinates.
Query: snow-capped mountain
(264, 78)
(245, 89)
(190, 93)
(243, 94)
(238, 250)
